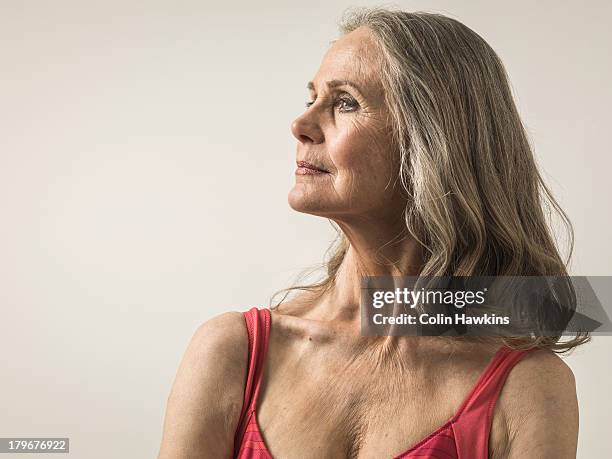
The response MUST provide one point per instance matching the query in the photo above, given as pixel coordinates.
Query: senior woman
(412, 145)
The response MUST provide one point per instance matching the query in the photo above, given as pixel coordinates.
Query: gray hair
(476, 200)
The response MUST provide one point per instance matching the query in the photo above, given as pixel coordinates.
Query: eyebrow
(334, 84)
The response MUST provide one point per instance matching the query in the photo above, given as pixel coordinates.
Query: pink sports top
(464, 436)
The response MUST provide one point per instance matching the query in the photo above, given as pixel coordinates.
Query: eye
(346, 103)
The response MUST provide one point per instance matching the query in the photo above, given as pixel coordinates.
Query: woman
(412, 145)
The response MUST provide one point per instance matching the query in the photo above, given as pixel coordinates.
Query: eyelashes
(345, 103)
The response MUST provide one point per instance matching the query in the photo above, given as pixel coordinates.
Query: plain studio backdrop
(145, 161)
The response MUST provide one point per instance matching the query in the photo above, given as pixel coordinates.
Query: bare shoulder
(225, 333)
(206, 398)
(538, 407)
(218, 351)
(540, 383)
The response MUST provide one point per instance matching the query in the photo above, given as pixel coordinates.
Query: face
(346, 165)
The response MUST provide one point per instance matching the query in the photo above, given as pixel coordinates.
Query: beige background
(145, 160)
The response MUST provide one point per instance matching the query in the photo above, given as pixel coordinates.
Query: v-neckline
(487, 370)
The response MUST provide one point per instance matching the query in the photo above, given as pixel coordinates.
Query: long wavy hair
(477, 202)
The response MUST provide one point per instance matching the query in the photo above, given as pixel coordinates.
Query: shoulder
(218, 348)
(540, 382)
(217, 353)
(539, 407)
(225, 332)
(205, 402)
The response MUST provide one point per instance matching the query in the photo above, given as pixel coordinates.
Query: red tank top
(464, 436)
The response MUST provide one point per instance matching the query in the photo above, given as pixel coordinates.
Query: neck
(373, 251)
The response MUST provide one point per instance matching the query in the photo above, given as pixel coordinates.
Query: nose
(306, 129)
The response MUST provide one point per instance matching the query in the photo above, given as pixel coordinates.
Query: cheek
(349, 150)
(362, 163)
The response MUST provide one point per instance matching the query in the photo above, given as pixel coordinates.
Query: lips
(306, 168)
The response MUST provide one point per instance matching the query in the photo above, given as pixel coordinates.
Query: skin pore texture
(328, 392)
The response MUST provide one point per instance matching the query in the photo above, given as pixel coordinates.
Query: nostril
(304, 138)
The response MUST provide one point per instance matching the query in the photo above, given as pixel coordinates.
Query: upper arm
(206, 398)
(541, 408)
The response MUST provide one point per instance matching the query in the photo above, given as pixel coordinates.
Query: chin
(306, 203)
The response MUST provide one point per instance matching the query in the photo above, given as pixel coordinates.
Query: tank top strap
(258, 332)
(473, 424)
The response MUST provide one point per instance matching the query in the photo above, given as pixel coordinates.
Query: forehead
(355, 57)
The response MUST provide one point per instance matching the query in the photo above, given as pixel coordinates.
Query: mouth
(306, 168)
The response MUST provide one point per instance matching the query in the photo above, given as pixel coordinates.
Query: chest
(327, 406)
